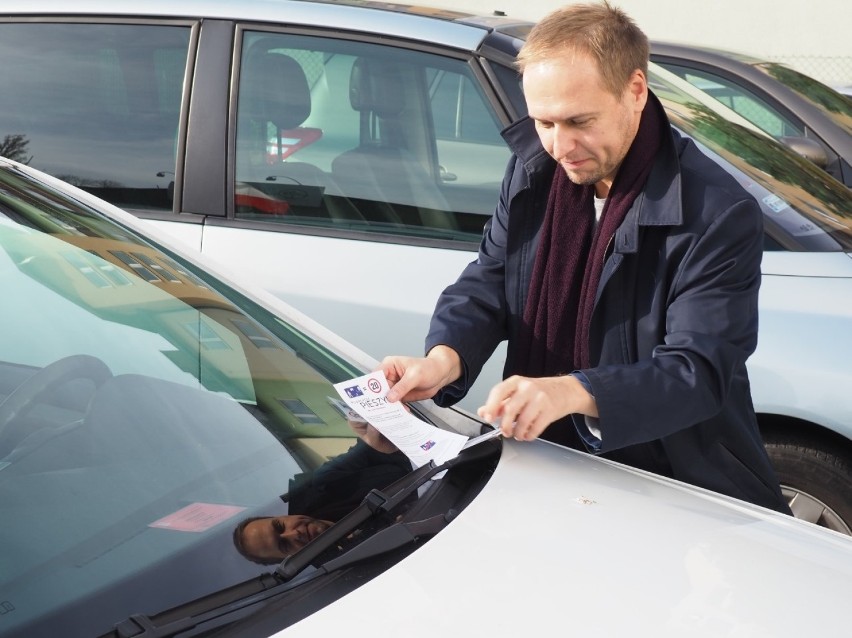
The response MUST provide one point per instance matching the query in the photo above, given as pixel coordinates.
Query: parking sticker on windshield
(197, 517)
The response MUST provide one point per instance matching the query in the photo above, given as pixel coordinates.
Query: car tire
(815, 480)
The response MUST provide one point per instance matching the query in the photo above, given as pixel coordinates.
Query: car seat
(381, 170)
(274, 90)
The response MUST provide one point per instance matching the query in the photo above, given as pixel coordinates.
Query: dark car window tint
(804, 208)
(741, 100)
(836, 106)
(353, 135)
(97, 105)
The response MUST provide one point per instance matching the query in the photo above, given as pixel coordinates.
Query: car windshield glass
(804, 208)
(835, 105)
(146, 413)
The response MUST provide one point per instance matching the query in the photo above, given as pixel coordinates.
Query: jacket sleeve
(711, 325)
(470, 315)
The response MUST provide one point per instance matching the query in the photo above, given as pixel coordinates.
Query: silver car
(152, 410)
(345, 156)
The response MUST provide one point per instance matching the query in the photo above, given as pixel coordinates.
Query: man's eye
(541, 124)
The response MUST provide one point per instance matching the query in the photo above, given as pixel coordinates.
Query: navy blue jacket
(675, 316)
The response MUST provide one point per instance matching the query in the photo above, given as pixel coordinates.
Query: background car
(345, 157)
(149, 407)
(810, 117)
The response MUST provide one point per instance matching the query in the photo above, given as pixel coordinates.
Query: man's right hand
(418, 378)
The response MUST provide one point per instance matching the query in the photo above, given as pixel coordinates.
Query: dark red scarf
(554, 334)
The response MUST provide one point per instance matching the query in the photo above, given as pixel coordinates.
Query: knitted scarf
(554, 334)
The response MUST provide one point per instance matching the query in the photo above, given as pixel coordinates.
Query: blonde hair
(603, 32)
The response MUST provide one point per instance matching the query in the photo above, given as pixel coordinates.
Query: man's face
(280, 536)
(581, 125)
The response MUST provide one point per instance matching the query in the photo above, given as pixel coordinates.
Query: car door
(362, 176)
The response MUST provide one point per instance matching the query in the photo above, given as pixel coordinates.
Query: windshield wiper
(216, 607)
(375, 503)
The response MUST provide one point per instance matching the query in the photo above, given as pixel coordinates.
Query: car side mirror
(807, 148)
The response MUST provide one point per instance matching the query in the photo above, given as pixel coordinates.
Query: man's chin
(582, 178)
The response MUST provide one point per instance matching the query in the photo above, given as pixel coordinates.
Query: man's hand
(372, 437)
(526, 406)
(417, 378)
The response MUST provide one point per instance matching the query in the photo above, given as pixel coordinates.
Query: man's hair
(238, 542)
(603, 32)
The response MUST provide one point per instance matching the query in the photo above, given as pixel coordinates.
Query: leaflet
(418, 440)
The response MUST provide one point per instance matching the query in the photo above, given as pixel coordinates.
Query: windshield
(836, 106)
(145, 417)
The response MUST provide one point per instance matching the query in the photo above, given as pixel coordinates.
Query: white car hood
(559, 541)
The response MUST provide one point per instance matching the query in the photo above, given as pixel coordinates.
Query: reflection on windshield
(835, 105)
(145, 415)
(804, 207)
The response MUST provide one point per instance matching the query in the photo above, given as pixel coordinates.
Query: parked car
(149, 407)
(807, 115)
(345, 156)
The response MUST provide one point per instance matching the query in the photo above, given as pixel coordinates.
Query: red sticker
(198, 517)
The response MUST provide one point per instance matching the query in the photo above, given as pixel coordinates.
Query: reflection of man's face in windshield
(272, 539)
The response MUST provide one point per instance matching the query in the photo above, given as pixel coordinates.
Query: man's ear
(637, 86)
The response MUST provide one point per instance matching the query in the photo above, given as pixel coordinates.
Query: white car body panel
(801, 367)
(189, 234)
(590, 548)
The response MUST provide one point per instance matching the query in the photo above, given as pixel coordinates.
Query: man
(623, 267)
(271, 539)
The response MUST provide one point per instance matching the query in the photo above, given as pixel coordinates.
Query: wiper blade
(375, 503)
(389, 539)
(219, 605)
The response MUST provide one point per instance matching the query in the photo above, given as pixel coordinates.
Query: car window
(804, 208)
(97, 105)
(337, 133)
(738, 98)
(836, 106)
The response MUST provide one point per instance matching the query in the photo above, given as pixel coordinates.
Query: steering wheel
(50, 377)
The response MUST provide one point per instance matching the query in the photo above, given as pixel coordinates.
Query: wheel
(815, 479)
(47, 379)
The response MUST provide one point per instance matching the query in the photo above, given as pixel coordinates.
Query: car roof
(440, 26)
(702, 53)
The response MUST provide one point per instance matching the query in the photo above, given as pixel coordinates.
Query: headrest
(275, 89)
(376, 86)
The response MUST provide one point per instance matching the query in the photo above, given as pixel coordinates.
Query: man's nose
(292, 534)
(564, 142)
